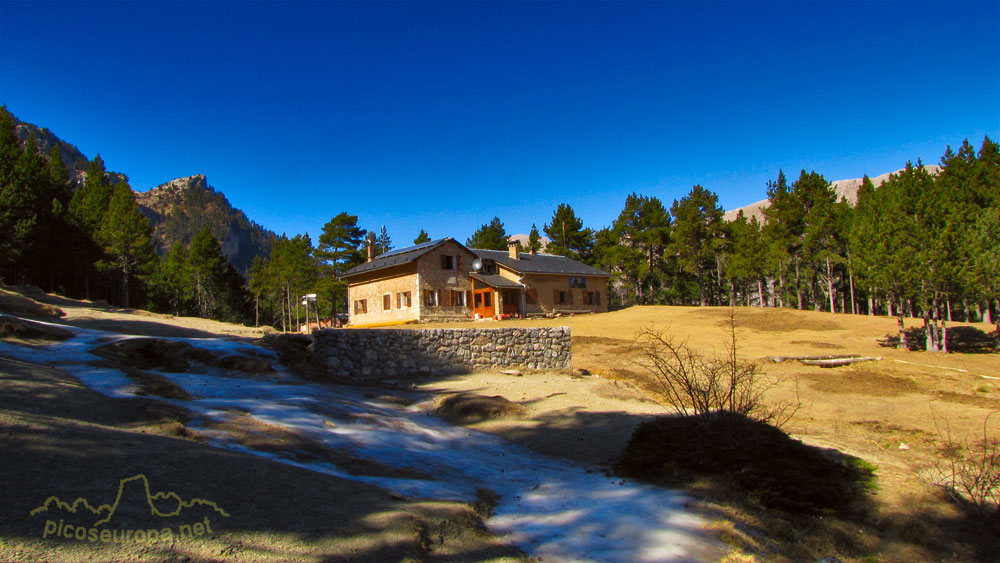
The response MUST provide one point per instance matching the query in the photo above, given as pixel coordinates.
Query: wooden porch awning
(497, 281)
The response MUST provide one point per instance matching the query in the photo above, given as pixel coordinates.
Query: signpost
(305, 301)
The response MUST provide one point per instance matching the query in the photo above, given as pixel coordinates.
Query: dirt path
(61, 438)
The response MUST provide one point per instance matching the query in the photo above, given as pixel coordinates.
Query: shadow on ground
(63, 439)
(964, 339)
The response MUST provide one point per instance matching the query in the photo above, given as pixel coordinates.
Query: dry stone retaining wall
(369, 354)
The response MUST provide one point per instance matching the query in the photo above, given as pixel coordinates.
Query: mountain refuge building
(442, 280)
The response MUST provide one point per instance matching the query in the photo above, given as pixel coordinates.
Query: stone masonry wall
(369, 354)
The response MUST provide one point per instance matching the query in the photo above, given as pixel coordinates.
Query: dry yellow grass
(890, 412)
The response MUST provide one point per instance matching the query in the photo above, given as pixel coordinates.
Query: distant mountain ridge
(180, 208)
(177, 210)
(45, 139)
(847, 189)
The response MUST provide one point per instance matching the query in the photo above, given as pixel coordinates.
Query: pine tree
(639, 238)
(339, 250)
(124, 234)
(697, 241)
(534, 240)
(422, 237)
(491, 236)
(383, 243)
(822, 245)
(91, 200)
(171, 287)
(747, 261)
(567, 235)
(205, 265)
(21, 172)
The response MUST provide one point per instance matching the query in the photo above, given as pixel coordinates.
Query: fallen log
(837, 362)
(779, 359)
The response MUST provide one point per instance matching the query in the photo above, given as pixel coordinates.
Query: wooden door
(482, 303)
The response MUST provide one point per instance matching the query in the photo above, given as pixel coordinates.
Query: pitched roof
(526, 264)
(397, 257)
(539, 263)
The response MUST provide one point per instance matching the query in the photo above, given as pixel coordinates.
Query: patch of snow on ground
(549, 507)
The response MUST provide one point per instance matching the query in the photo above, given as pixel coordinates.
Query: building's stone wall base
(371, 354)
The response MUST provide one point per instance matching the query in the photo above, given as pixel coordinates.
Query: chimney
(371, 250)
(512, 249)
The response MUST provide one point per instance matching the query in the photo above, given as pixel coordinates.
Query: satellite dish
(477, 264)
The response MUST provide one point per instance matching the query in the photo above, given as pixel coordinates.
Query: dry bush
(702, 385)
(970, 472)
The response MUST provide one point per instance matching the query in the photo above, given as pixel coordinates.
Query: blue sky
(440, 115)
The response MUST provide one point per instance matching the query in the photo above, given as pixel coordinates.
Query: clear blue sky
(440, 115)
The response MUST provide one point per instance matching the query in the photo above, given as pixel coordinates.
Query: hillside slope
(177, 209)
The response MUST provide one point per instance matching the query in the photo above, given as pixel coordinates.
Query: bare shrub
(970, 472)
(702, 385)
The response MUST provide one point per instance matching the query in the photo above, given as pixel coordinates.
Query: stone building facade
(443, 280)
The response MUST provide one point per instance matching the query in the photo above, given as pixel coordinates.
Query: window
(402, 299)
(578, 282)
(430, 298)
(386, 302)
(458, 298)
(478, 301)
(447, 262)
(561, 297)
(592, 297)
(360, 306)
(488, 299)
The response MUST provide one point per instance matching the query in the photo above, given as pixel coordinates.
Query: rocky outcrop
(180, 208)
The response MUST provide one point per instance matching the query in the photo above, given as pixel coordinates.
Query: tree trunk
(718, 278)
(986, 315)
(125, 290)
(965, 307)
(798, 286)
(929, 344)
(760, 291)
(288, 300)
(871, 302)
(829, 286)
(943, 335)
(947, 304)
(781, 287)
(902, 329)
(854, 307)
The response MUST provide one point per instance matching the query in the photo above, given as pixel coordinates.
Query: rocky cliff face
(179, 209)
